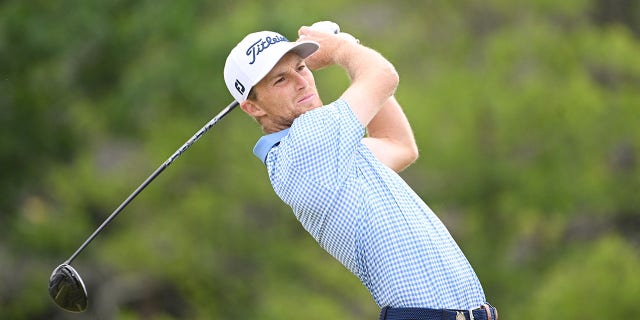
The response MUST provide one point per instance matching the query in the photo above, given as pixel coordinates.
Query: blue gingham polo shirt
(365, 215)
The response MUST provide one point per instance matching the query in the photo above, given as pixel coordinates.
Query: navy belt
(484, 312)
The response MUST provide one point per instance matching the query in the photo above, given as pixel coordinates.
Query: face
(285, 93)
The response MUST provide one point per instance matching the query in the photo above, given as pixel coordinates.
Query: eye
(279, 80)
(301, 67)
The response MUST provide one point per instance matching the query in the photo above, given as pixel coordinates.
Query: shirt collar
(267, 142)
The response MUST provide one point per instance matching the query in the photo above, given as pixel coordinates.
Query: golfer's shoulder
(336, 116)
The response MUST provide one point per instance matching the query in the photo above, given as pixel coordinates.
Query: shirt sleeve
(322, 143)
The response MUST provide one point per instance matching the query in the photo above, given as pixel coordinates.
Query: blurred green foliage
(526, 115)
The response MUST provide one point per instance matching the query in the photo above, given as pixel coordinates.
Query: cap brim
(305, 48)
(301, 48)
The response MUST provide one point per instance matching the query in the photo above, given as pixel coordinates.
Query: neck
(271, 126)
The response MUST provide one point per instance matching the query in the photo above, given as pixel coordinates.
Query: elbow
(410, 155)
(385, 79)
(393, 79)
(413, 153)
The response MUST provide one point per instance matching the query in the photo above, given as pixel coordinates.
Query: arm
(370, 95)
(390, 137)
(373, 78)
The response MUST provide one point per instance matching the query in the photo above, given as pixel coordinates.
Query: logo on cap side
(257, 47)
(239, 86)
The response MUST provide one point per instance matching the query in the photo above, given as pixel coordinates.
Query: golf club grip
(156, 173)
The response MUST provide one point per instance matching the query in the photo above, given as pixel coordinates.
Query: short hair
(253, 96)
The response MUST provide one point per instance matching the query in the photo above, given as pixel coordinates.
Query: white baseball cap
(255, 56)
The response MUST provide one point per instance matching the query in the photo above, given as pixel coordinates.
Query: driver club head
(67, 289)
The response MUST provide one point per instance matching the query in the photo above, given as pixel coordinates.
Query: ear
(252, 108)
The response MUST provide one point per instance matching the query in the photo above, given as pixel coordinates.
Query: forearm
(373, 81)
(368, 67)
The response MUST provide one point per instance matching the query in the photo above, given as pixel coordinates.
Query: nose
(301, 81)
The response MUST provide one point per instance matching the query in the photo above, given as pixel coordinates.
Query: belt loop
(495, 311)
(383, 313)
(471, 314)
(488, 310)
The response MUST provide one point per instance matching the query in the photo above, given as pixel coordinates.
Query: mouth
(306, 98)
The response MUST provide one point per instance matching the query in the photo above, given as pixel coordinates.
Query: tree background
(526, 115)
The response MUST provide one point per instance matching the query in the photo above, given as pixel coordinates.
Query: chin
(316, 103)
(304, 107)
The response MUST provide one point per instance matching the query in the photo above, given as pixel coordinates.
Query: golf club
(65, 284)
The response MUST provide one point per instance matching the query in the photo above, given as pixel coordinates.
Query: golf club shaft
(184, 147)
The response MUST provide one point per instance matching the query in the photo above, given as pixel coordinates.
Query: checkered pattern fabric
(365, 215)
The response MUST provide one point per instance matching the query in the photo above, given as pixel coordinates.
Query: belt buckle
(460, 315)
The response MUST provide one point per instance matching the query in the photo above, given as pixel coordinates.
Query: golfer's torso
(367, 217)
(378, 228)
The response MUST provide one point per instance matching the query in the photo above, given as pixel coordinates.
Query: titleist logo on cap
(257, 47)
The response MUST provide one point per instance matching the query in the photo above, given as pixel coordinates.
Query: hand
(329, 45)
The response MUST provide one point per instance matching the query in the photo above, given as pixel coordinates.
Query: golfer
(336, 165)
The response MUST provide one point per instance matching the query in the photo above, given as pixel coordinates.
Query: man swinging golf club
(343, 186)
